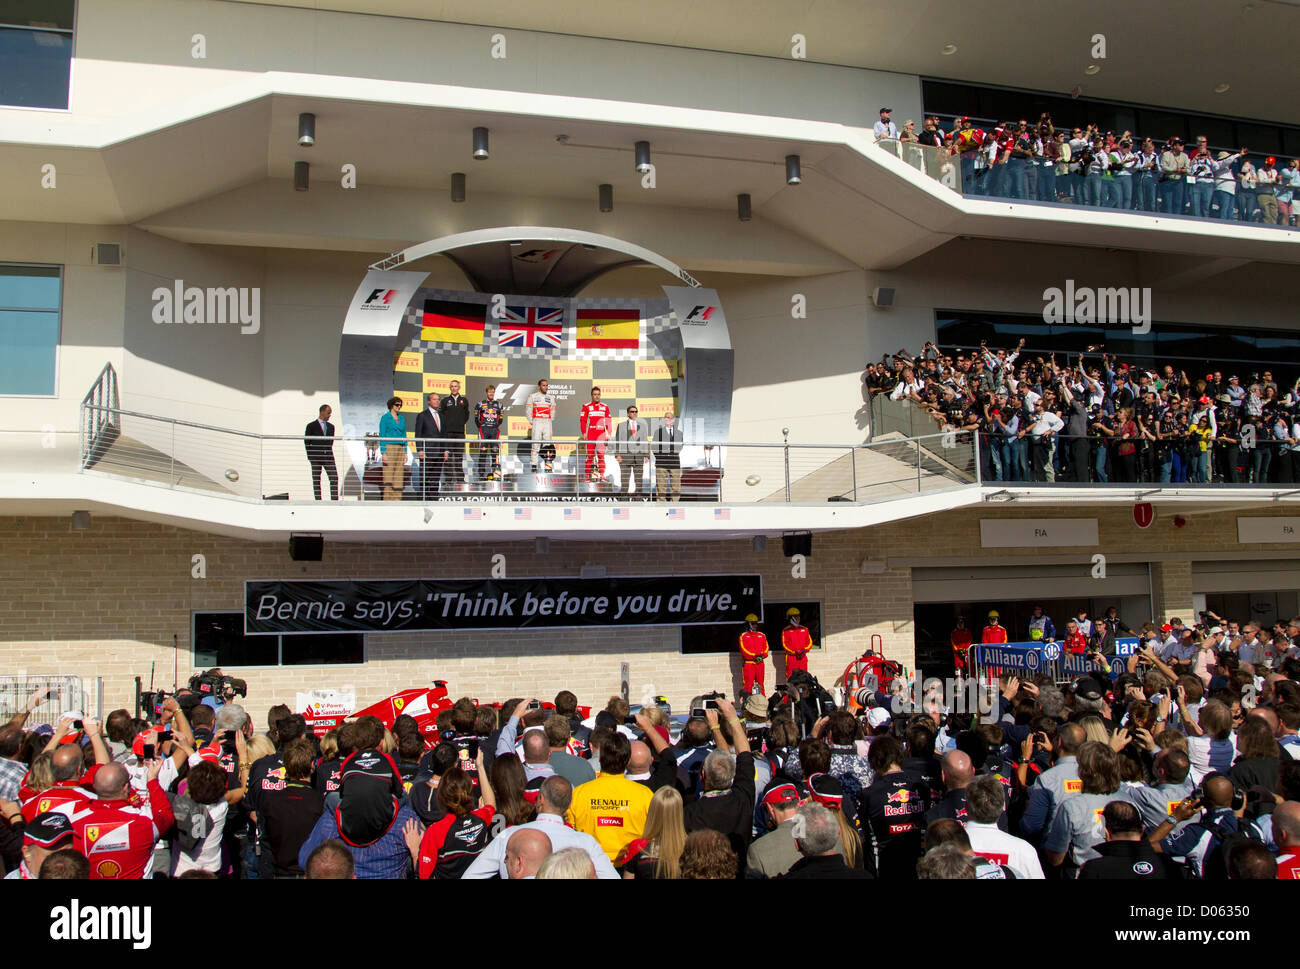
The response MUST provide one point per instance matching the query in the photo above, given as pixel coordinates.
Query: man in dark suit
(430, 429)
(455, 414)
(631, 451)
(321, 452)
(668, 462)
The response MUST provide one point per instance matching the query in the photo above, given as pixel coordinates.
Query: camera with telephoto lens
(211, 683)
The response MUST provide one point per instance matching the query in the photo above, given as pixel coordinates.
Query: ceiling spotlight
(744, 210)
(642, 156)
(1222, 88)
(793, 175)
(948, 49)
(480, 144)
(517, 242)
(606, 195)
(300, 176)
(1092, 69)
(232, 474)
(589, 247)
(458, 186)
(306, 130)
(753, 480)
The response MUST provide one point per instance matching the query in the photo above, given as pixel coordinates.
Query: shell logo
(108, 869)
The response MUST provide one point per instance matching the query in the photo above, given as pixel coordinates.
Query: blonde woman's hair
(665, 829)
(389, 743)
(329, 745)
(260, 746)
(848, 838)
(1094, 729)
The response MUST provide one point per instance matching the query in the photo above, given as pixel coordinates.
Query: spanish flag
(609, 329)
(448, 322)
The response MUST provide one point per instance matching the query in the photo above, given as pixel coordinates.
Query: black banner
(408, 605)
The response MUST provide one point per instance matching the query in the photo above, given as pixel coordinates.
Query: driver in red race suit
(994, 632)
(961, 640)
(595, 424)
(796, 641)
(754, 650)
(1075, 641)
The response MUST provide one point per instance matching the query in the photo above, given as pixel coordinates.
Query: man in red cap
(754, 652)
(796, 641)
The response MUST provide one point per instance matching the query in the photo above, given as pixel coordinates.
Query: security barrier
(1032, 658)
(67, 693)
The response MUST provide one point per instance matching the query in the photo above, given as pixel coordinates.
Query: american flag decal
(473, 514)
(676, 514)
(620, 514)
(531, 326)
(523, 514)
(722, 514)
(572, 514)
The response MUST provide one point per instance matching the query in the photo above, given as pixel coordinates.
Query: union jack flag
(620, 514)
(572, 514)
(531, 326)
(473, 514)
(523, 514)
(677, 514)
(722, 514)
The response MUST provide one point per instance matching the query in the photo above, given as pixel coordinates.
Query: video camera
(214, 684)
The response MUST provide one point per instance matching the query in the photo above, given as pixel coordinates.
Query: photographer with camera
(726, 804)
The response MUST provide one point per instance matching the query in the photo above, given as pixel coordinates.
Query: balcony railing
(186, 456)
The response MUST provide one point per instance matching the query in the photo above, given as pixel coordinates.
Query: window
(36, 50)
(726, 638)
(30, 298)
(219, 640)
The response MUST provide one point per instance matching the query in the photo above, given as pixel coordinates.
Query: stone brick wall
(108, 601)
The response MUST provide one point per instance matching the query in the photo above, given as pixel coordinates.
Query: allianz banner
(1051, 658)
(412, 605)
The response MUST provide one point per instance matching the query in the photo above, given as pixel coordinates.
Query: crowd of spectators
(1092, 418)
(1109, 169)
(1183, 763)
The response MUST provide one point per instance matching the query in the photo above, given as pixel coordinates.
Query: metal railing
(185, 455)
(67, 693)
(937, 162)
(98, 429)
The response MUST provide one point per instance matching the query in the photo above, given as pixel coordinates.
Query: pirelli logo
(654, 370)
(618, 389)
(486, 367)
(609, 822)
(409, 362)
(410, 401)
(439, 383)
(571, 369)
(516, 427)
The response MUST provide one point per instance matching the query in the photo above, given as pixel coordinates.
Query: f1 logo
(384, 296)
(700, 313)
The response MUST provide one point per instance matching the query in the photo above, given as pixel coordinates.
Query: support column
(1171, 584)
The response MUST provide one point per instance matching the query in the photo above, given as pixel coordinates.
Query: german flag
(609, 329)
(448, 322)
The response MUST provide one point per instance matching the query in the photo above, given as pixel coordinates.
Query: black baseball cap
(886, 110)
(48, 830)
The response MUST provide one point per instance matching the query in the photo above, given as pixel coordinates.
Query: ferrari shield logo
(92, 832)
(1144, 514)
(398, 703)
(43, 806)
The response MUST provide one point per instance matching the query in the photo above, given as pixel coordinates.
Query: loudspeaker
(306, 548)
(106, 254)
(882, 297)
(796, 543)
